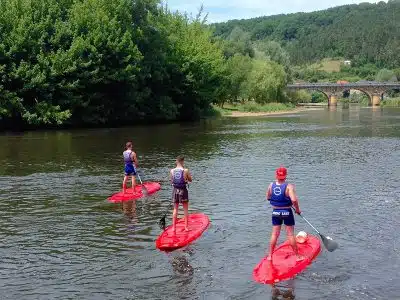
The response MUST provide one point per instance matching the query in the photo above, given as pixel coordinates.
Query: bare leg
(276, 230)
(292, 241)
(124, 184)
(174, 216)
(133, 182)
(186, 212)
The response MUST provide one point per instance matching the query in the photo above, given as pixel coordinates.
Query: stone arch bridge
(374, 90)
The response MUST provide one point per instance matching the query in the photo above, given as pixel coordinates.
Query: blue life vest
(278, 197)
(178, 178)
(127, 157)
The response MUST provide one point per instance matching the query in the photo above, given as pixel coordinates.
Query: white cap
(301, 237)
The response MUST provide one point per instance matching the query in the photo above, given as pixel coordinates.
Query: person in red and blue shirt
(282, 196)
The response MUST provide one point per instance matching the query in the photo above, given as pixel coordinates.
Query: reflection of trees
(100, 149)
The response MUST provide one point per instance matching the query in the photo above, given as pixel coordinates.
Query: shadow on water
(283, 290)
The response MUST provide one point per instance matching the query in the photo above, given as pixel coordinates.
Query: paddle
(162, 222)
(329, 244)
(144, 189)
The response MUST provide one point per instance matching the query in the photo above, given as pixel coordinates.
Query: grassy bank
(391, 102)
(252, 107)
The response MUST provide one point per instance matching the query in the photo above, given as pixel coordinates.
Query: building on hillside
(347, 62)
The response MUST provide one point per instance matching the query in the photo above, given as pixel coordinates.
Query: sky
(223, 10)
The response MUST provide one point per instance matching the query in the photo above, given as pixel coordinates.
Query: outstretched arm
(293, 197)
(269, 192)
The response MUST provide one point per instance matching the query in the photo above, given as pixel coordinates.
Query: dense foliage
(364, 33)
(100, 62)
(103, 62)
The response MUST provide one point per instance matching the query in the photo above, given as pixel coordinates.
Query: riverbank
(260, 114)
(256, 110)
(391, 102)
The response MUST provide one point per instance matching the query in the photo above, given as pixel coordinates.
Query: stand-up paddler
(179, 178)
(282, 197)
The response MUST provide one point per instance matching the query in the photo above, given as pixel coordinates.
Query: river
(61, 239)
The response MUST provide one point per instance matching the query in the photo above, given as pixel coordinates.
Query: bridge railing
(350, 84)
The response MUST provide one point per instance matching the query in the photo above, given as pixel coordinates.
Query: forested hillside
(364, 33)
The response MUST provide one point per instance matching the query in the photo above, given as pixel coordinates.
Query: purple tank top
(178, 180)
(127, 156)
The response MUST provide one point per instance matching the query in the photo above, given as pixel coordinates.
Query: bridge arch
(374, 90)
(364, 92)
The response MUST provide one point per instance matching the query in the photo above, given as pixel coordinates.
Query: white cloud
(223, 10)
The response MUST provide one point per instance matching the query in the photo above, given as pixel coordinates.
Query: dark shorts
(180, 195)
(283, 215)
(130, 170)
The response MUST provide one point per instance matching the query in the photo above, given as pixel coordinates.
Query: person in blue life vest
(282, 196)
(131, 163)
(179, 177)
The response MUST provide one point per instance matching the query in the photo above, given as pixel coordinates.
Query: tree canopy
(121, 62)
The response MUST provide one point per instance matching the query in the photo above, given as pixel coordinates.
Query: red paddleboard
(284, 265)
(131, 194)
(169, 241)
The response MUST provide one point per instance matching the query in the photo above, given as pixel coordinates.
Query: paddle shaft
(310, 224)
(307, 221)
(143, 187)
(137, 172)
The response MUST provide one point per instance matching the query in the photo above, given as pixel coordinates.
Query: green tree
(266, 82)
(239, 42)
(273, 51)
(386, 75)
(237, 69)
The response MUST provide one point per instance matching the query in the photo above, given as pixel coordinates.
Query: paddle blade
(162, 222)
(329, 244)
(145, 191)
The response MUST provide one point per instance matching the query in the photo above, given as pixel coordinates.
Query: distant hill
(363, 33)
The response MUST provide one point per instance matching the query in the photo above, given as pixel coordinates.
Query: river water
(61, 239)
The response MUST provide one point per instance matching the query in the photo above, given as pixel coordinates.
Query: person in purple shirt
(179, 177)
(131, 164)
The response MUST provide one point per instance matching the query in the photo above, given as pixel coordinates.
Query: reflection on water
(284, 290)
(129, 209)
(181, 266)
(63, 240)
